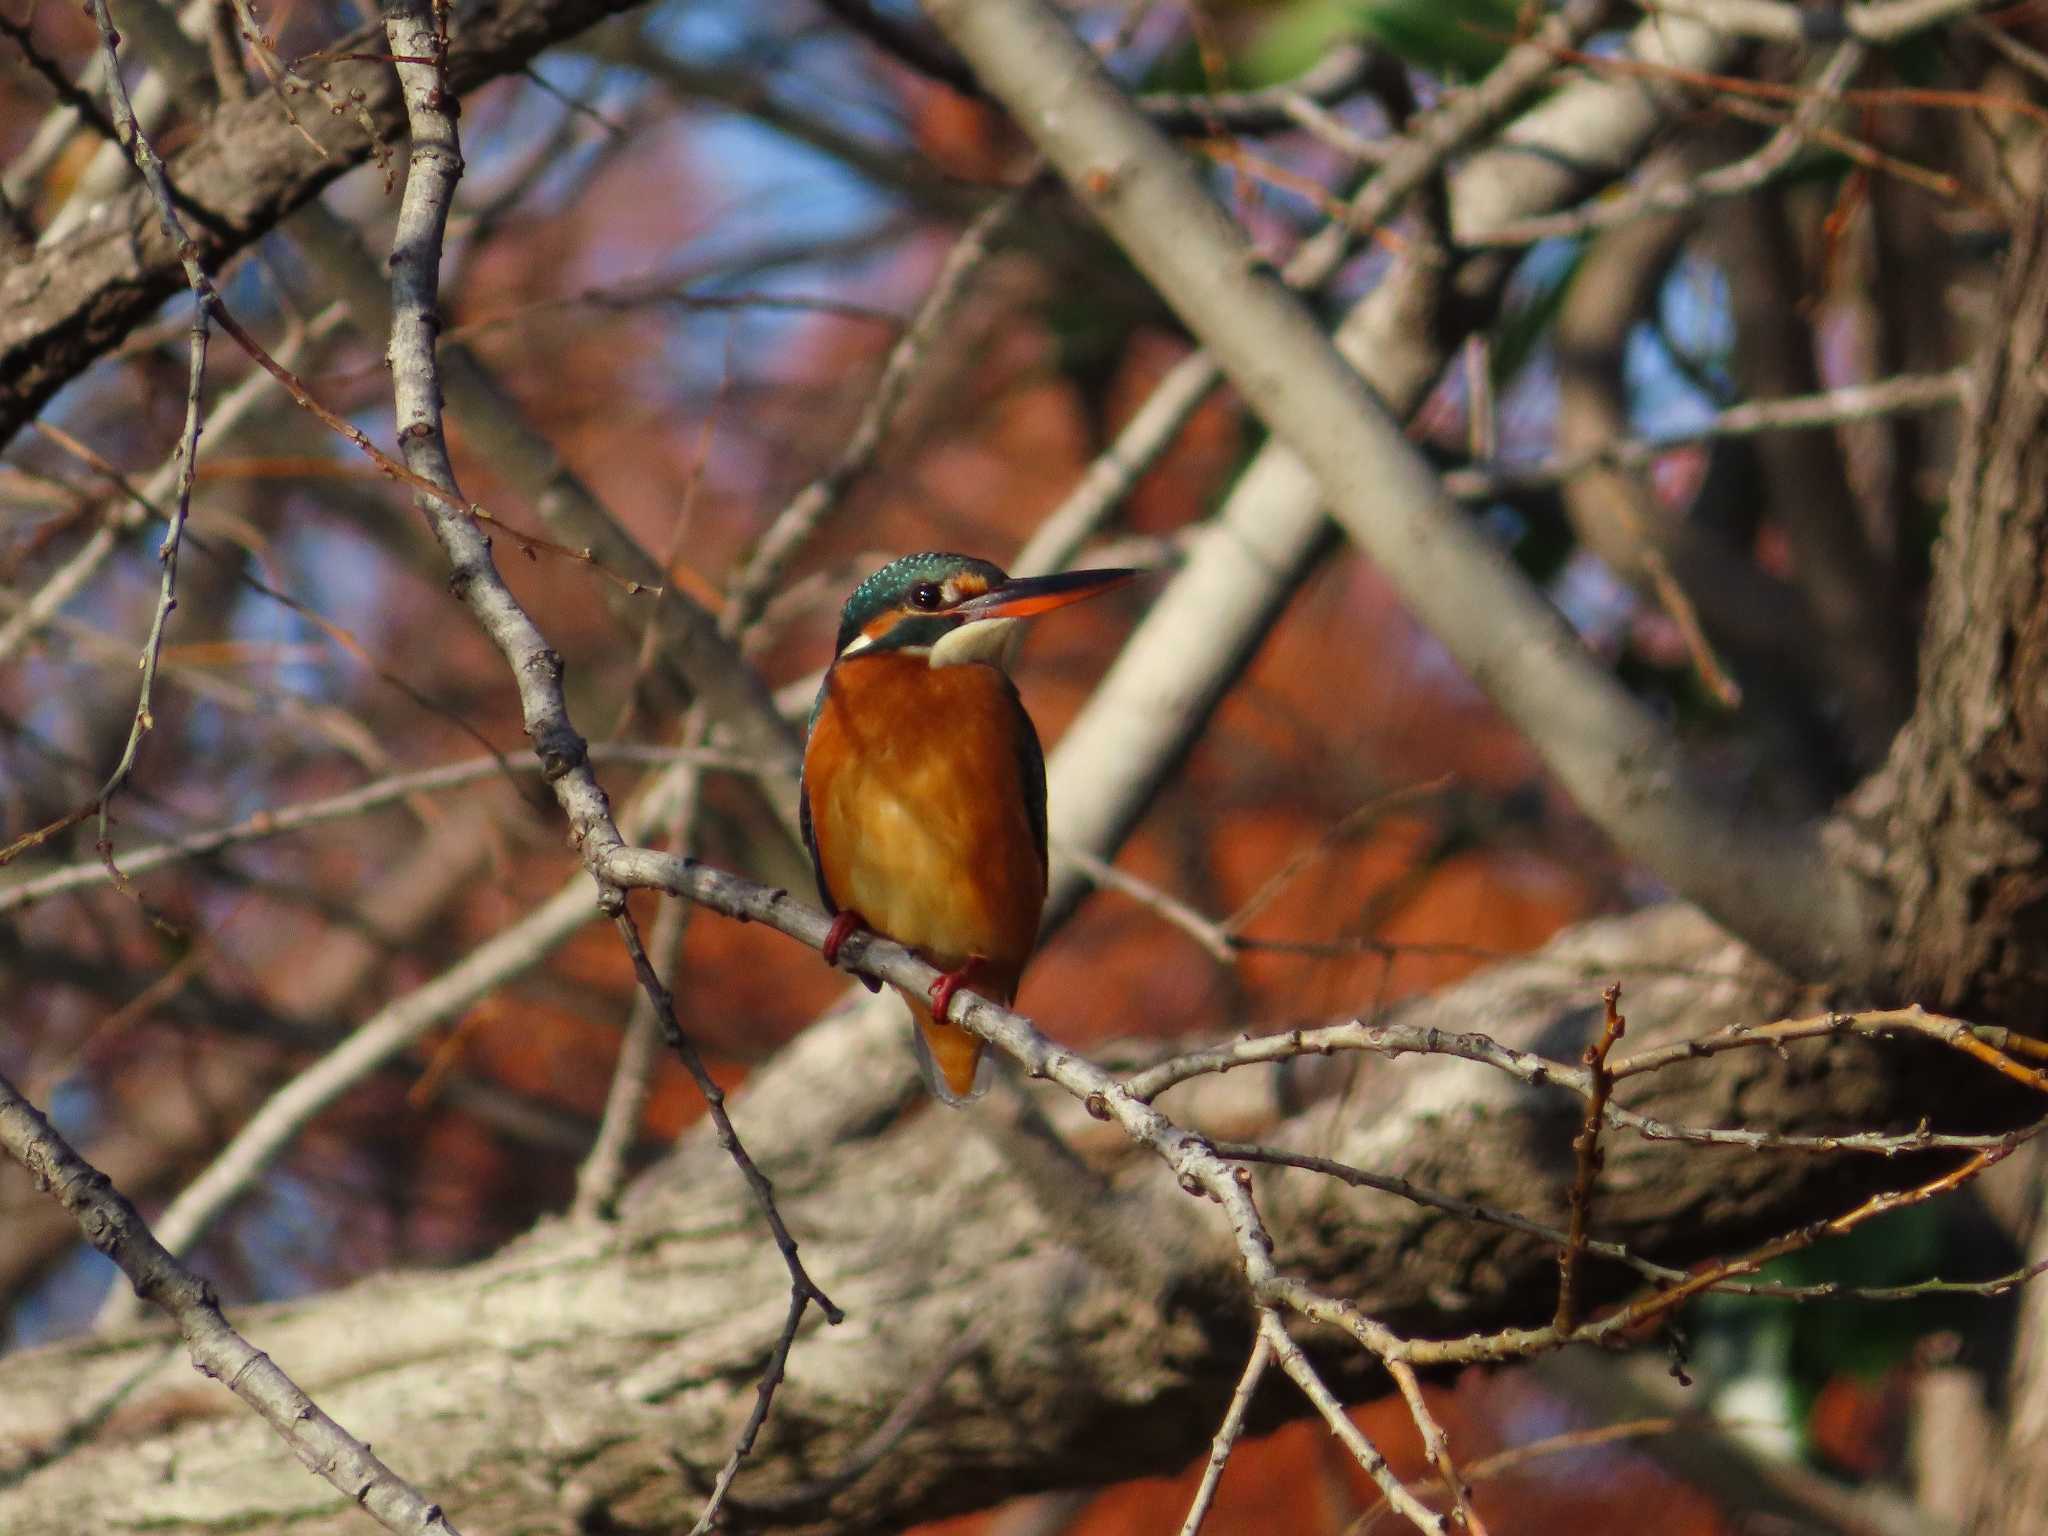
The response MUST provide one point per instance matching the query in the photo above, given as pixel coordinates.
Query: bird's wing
(1030, 771)
(803, 806)
(803, 818)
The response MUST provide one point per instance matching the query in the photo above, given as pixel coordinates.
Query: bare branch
(794, 525)
(229, 413)
(1586, 1146)
(240, 176)
(1791, 413)
(1211, 935)
(354, 802)
(1876, 21)
(1240, 569)
(1296, 1365)
(1771, 883)
(390, 1030)
(129, 133)
(602, 1173)
(614, 1351)
(1227, 1433)
(1684, 194)
(691, 654)
(111, 1224)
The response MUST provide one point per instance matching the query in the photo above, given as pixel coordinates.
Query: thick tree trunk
(1961, 809)
(1958, 814)
(606, 1369)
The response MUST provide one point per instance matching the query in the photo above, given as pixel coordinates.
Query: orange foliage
(996, 433)
(1301, 1481)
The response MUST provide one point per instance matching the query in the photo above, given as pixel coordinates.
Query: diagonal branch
(1769, 883)
(235, 180)
(111, 1224)
(591, 1360)
(419, 42)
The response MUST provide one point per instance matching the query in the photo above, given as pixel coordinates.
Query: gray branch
(586, 1367)
(1770, 882)
(111, 1225)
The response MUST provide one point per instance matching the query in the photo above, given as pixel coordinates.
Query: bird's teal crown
(890, 588)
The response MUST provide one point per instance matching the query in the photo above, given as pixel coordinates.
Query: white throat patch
(992, 641)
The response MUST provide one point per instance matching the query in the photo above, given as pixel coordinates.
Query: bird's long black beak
(1023, 597)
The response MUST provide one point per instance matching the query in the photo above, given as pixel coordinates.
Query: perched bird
(924, 785)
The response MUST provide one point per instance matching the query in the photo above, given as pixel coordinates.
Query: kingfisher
(923, 792)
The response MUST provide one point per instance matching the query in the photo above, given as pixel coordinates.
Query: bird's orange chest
(915, 779)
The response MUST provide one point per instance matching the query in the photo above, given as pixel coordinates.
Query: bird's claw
(844, 926)
(948, 983)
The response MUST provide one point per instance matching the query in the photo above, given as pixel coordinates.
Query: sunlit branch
(420, 44)
(799, 519)
(355, 802)
(1770, 882)
(111, 1225)
(1876, 21)
(1684, 194)
(1227, 1433)
(1297, 1366)
(1829, 408)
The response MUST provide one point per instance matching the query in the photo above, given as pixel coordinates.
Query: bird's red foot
(943, 989)
(844, 926)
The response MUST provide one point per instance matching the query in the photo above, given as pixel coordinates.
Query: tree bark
(1961, 808)
(1958, 813)
(67, 305)
(586, 1365)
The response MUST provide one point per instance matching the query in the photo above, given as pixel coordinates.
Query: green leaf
(1295, 37)
(1463, 38)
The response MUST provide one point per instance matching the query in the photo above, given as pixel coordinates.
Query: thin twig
(1351, 821)
(1109, 478)
(1436, 1445)
(1586, 1149)
(884, 1438)
(1686, 194)
(803, 1290)
(393, 1028)
(1227, 1433)
(1296, 1365)
(1191, 1158)
(1665, 1274)
(794, 525)
(1829, 408)
(70, 578)
(130, 135)
(1521, 1343)
(141, 499)
(1984, 1043)
(355, 802)
(1470, 1210)
(1549, 1445)
(1539, 1071)
(1406, 167)
(1204, 931)
(603, 1171)
(112, 1226)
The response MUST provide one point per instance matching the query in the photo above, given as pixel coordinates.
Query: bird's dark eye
(926, 595)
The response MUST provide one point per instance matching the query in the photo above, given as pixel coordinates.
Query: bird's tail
(955, 1064)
